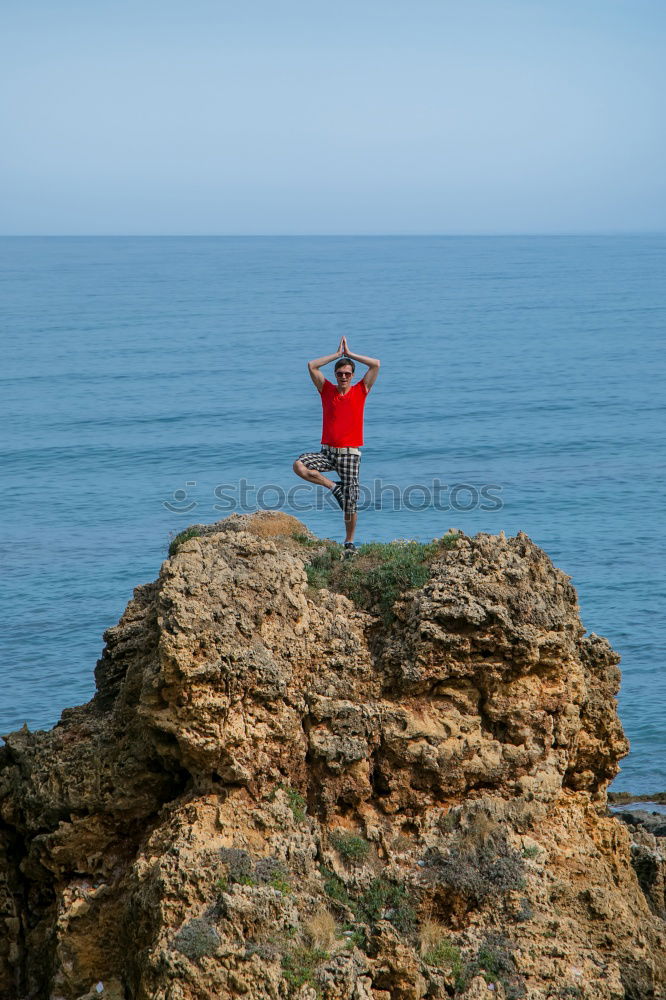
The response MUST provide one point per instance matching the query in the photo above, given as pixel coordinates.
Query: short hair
(345, 361)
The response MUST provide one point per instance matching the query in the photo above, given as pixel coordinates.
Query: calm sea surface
(140, 375)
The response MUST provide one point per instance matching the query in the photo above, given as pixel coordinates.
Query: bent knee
(298, 466)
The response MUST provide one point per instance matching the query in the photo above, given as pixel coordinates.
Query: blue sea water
(141, 375)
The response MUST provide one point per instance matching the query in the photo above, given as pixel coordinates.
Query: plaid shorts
(346, 466)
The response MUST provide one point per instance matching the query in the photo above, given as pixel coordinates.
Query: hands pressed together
(343, 351)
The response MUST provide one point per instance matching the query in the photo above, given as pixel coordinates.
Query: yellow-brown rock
(275, 793)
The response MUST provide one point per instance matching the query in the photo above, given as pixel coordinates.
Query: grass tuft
(380, 571)
(192, 532)
(310, 543)
(320, 930)
(437, 949)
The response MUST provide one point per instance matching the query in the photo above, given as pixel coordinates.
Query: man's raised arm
(373, 365)
(314, 366)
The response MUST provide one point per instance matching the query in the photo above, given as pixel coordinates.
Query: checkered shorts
(346, 466)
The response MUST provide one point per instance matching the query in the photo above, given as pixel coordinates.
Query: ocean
(149, 383)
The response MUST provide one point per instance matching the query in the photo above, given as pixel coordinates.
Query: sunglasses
(343, 374)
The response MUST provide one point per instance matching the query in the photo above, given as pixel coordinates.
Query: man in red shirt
(342, 431)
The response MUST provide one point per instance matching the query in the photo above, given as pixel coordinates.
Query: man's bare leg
(350, 526)
(311, 475)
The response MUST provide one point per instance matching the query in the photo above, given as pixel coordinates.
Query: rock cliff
(277, 792)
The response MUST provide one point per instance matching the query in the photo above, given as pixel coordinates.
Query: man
(342, 433)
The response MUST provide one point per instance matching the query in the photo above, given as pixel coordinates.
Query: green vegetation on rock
(389, 901)
(194, 531)
(379, 572)
(297, 804)
(495, 962)
(335, 888)
(445, 955)
(350, 846)
(383, 899)
(299, 965)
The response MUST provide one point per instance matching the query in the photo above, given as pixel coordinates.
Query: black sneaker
(338, 493)
(350, 548)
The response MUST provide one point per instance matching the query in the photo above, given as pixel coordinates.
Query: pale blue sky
(304, 116)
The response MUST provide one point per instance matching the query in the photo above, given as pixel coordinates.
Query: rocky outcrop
(275, 793)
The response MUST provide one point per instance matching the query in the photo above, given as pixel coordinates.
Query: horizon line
(324, 235)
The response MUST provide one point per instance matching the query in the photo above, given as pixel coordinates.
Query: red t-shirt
(343, 415)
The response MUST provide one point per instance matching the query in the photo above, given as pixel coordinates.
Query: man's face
(343, 375)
